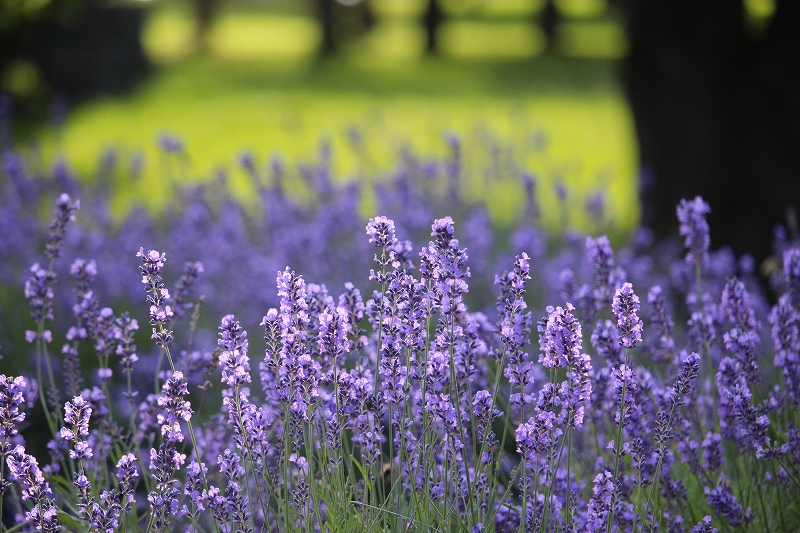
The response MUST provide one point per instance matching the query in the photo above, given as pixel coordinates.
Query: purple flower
(126, 475)
(234, 360)
(724, 503)
(559, 338)
(24, 469)
(126, 349)
(157, 294)
(791, 272)
(76, 415)
(12, 399)
(381, 232)
(713, 453)
(743, 339)
(65, 213)
(704, 526)
(39, 292)
(601, 255)
(194, 488)
(333, 329)
(175, 408)
(191, 271)
(625, 307)
(605, 340)
(603, 502)
(785, 323)
(662, 323)
(694, 230)
(170, 144)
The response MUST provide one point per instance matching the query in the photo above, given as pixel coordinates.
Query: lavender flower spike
(175, 407)
(77, 413)
(694, 229)
(160, 314)
(65, 213)
(12, 399)
(560, 338)
(381, 232)
(625, 307)
(234, 360)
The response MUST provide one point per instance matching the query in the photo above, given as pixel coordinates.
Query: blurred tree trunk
(434, 16)
(326, 18)
(206, 11)
(548, 20)
(717, 113)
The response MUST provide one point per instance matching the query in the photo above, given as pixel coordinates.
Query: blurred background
(640, 101)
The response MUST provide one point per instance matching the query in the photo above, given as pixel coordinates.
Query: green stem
(618, 443)
(191, 429)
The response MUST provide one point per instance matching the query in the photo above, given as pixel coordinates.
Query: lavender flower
(559, 338)
(625, 307)
(39, 292)
(12, 399)
(662, 323)
(381, 232)
(791, 272)
(163, 499)
(175, 408)
(514, 323)
(76, 415)
(126, 349)
(743, 339)
(24, 469)
(601, 255)
(724, 503)
(157, 294)
(785, 322)
(65, 213)
(191, 271)
(126, 475)
(234, 360)
(704, 526)
(625, 387)
(602, 503)
(694, 230)
(605, 340)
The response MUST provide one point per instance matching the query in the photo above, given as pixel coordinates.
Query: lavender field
(423, 369)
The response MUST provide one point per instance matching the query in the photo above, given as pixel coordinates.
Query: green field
(259, 87)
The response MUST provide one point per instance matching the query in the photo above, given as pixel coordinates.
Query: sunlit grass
(495, 40)
(259, 87)
(598, 39)
(253, 36)
(221, 108)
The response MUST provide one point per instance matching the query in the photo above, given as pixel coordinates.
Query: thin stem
(191, 429)
(618, 443)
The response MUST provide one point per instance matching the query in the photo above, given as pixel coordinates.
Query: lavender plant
(402, 403)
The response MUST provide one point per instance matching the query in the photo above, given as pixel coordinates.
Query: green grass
(244, 93)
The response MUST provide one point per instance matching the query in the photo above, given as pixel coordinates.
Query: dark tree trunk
(206, 11)
(717, 113)
(434, 16)
(548, 20)
(327, 20)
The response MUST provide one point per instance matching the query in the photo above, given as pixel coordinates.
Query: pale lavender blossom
(625, 308)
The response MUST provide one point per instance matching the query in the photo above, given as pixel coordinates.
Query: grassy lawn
(258, 88)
